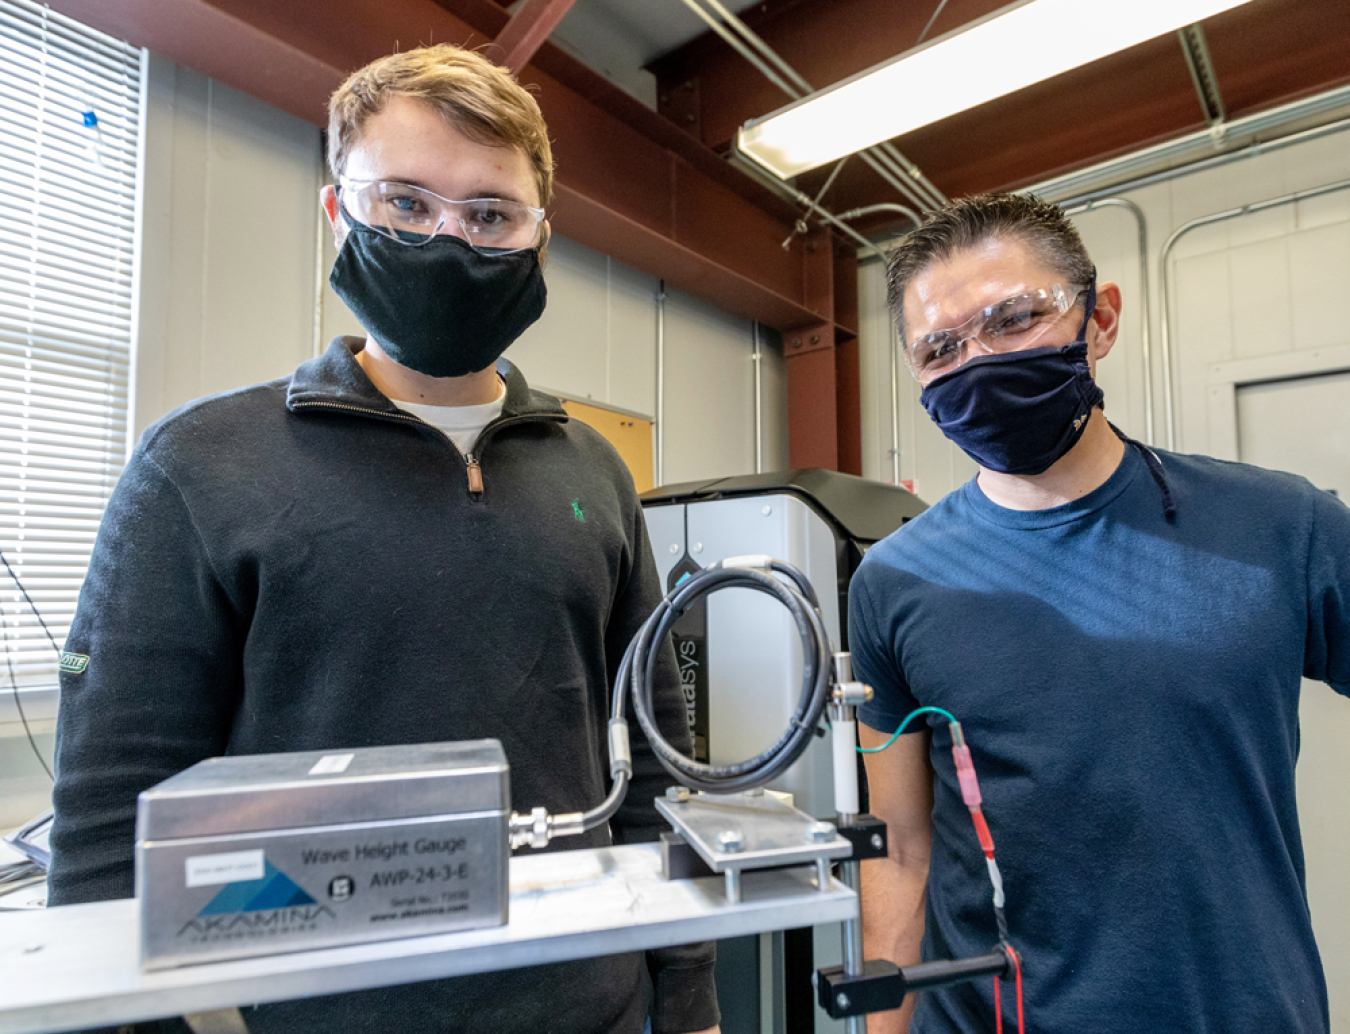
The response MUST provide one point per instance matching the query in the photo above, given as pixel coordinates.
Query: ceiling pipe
(887, 162)
(885, 206)
(1119, 174)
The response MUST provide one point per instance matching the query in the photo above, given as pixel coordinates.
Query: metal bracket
(867, 834)
(751, 830)
(883, 985)
(1196, 52)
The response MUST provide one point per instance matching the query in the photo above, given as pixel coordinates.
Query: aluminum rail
(1145, 336)
(1165, 291)
(76, 967)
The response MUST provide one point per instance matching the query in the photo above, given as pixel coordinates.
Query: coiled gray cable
(637, 672)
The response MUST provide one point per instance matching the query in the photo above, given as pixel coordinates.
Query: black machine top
(866, 511)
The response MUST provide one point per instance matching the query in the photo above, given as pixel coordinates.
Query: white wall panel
(568, 349)
(709, 405)
(1319, 273)
(1111, 236)
(230, 224)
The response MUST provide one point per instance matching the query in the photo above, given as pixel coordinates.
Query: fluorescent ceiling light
(1012, 48)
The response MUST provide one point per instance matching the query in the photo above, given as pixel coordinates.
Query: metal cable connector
(539, 827)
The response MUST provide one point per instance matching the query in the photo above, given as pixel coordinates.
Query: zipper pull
(475, 476)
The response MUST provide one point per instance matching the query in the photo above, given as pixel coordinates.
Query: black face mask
(441, 308)
(1018, 412)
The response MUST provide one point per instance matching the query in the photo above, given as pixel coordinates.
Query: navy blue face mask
(1018, 412)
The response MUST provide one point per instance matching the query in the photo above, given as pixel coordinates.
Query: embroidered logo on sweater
(577, 511)
(75, 663)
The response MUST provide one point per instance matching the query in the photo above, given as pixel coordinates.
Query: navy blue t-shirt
(1129, 689)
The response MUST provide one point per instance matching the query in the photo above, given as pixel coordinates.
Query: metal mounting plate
(772, 833)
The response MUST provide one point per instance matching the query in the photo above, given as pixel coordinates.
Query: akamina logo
(273, 902)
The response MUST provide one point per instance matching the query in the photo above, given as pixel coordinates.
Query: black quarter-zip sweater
(301, 565)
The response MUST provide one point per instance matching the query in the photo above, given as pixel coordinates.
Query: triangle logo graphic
(274, 890)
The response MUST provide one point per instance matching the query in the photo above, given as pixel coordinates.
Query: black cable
(638, 670)
(9, 663)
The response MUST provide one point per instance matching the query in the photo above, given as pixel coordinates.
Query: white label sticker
(209, 869)
(331, 764)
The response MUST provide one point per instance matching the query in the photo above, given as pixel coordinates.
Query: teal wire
(908, 718)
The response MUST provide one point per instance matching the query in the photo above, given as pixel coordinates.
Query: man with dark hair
(1122, 633)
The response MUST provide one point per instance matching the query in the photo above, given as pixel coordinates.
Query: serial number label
(417, 875)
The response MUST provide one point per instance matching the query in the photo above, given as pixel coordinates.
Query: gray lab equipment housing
(821, 522)
(261, 854)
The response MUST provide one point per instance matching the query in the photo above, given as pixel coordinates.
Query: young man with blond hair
(400, 543)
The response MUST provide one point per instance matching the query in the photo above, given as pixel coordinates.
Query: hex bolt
(674, 548)
(767, 511)
(877, 842)
(822, 832)
(677, 794)
(841, 1000)
(730, 841)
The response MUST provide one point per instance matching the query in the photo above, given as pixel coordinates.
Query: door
(1303, 426)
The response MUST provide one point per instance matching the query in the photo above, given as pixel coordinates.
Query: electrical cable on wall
(9, 663)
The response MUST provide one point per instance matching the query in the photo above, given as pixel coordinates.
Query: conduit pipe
(887, 162)
(757, 357)
(892, 332)
(1165, 279)
(659, 443)
(885, 206)
(1146, 348)
(1078, 186)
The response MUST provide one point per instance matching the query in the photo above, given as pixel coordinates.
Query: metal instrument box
(268, 853)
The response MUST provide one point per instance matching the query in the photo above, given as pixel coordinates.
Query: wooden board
(630, 435)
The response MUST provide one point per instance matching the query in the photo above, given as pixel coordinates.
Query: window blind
(69, 122)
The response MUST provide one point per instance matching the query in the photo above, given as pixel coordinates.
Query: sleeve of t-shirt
(1327, 656)
(871, 641)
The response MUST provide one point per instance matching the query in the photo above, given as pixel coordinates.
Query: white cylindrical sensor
(845, 768)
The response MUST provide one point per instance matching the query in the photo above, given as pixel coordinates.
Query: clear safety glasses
(1011, 325)
(413, 216)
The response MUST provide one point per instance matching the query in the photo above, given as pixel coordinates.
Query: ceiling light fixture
(1021, 44)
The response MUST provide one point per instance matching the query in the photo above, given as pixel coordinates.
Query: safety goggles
(413, 216)
(1011, 325)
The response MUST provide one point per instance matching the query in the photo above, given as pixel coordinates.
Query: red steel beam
(629, 185)
(527, 30)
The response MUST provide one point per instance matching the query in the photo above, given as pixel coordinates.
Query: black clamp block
(679, 861)
(883, 985)
(868, 837)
